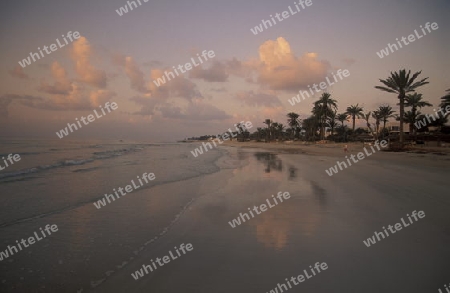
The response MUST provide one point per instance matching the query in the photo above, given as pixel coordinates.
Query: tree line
(324, 115)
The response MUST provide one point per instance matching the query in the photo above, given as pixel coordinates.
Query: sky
(250, 78)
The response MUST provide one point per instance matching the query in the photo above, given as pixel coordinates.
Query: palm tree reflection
(271, 161)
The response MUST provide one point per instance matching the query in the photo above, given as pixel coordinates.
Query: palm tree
(386, 112)
(260, 132)
(280, 129)
(241, 127)
(311, 124)
(294, 122)
(414, 101)
(411, 118)
(401, 83)
(355, 111)
(332, 121)
(377, 116)
(290, 132)
(274, 130)
(268, 122)
(342, 118)
(440, 121)
(367, 117)
(323, 108)
(445, 101)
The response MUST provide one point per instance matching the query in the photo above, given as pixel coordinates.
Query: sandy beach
(329, 148)
(325, 220)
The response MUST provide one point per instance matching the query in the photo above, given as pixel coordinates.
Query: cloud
(147, 104)
(195, 111)
(279, 69)
(178, 87)
(100, 97)
(238, 68)
(133, 72)
(18, 72)
(258, 99)
(7, 99)
(73, 100)
(276, 68)
(62, 86)
(217, 72)
(81, 54)
(69, 95)
(77, 100)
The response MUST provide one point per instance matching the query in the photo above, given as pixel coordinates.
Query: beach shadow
(271, 161)
(320, 194)
(292, 173)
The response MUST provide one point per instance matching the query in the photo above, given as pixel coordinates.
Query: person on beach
(345, 148)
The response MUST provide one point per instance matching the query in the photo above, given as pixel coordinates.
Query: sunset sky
(250, 78)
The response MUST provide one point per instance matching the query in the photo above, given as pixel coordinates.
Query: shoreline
(326, 148)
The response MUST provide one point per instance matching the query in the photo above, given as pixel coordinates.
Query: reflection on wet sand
(271, 161)
(292, 173)
(275, 228)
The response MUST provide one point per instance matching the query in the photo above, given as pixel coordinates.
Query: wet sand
(325, 220)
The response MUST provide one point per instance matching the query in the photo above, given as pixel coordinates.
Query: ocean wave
(23, 154)
(45, 167)
(71, 162)
(115, 153)
(85, 169)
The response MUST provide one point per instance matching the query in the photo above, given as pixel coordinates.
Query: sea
(57, 182)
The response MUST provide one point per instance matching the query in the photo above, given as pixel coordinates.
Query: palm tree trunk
(412, 129)
(402, 110)
(322, 129)
(353, 118)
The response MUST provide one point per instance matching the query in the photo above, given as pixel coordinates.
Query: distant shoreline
(327, 149)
